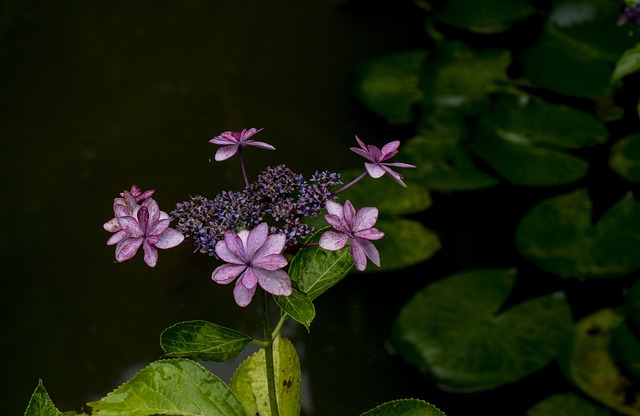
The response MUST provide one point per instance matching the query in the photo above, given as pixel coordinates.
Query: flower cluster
(250, 229)
(629, 13)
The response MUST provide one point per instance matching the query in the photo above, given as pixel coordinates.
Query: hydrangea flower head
(376, 157)
(255, 258)
(355, 227)
(231, 141)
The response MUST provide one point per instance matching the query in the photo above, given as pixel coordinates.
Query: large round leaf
(455, 328)
(626, 348)
(588, 363)
(628, 63)
(567, 404)
(524, 139)
(484, 16)
(625, 158)
(406, 243)
(559, 236)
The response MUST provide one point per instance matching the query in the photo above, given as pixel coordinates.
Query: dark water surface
(97, 95)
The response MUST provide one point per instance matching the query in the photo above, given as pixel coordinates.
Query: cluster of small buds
(279, 193)
(630, 13)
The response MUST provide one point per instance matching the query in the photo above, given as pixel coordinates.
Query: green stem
(276, 331)
(268, 354)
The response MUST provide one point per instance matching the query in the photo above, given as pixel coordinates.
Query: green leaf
(632, 303)
(171, 387)
(625, 158)
(456, 329)
(484, 16)
(559, 237)
(386, 194)
(388, 85)
(626, 348)
(204, 340)
(41, 404)
(249, 382)
(578, 48)
(406, 243)
(524, 139)
(588, 363)
(628, 63)
(315, 269)
(406, 407)
(298, 306)
(567, 404)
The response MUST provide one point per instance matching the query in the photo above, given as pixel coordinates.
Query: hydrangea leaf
(249, 382)
(524, 140)
(440, 154)
(454, 327)
(459, 76)
(406, 243)
(567, 404)
(298, 306)
(385, 194)
(41, 404)
(315, 270)
(204, 340)
(628, 63)
(625, 158)
(484, 16)
(632, 303)
(588, 363)
(406, 407)
(152, 391)
(626, 348)
(388, 85)
(578, 49)
(558, 236)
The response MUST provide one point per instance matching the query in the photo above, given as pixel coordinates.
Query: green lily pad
(249, 381)
(578, 48)
(567, 404)
(524, 139)
(40, 404)
(152, 391)
(632, 303)
(455, 328)
(588, 363)
(558, 236)
(441, 157)
(628, 63)
(406, 407)
(388, 85)
(484, 16)
(625, 158)
(626, 348)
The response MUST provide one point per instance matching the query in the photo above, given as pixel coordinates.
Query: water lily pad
(628, 63)
(484, 16)
(559, 236)
(588, 363)
(388, 85)
(625, 158)
(578, 48)
(406, 407)
(525, 140)
(626, 348)
(567, 404)
(406, 243)
(455, 328)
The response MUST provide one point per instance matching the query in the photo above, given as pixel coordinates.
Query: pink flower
(375, 167)
(128, 199)
(231, 141)
(257, 258)
(141, 225)
(357, 227)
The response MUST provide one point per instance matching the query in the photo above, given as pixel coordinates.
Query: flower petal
(120, 210)
(225, 273)
(112, 225)
(399, 165)
(336, 222)
(276, 282)
(374, 170)
(257, 237)
(389, 150)
(274, 245)
(150, 254)
(395, 175)
(234, 244)
(128, 248)
(131, 226)
(332, 240)
(369, 249)
(117, 237)
(334, 208)
(370, 234)
(358, 254)
(361, 144)
(365, 218)
(225, 152)
(261, 145)
(349, 214)
(169, 238)
(157, 227)
(249, 279)
(362, 153)
(225, 138)
(222, 250)
(270, 262)
(242, 294)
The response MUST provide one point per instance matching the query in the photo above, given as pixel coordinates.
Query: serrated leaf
(176, 387)
(588, 363)
(558, 235)
(567, 404)
(204, 340)
(625, 158)
(315, 269)
(40, 404)
(628, 63)
(484, 16)
(249, 382)
(406, 407)
(298, 306)
(388, 85)
(455, 328)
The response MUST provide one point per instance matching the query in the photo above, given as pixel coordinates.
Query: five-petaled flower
(257, 258)
(231, 141)
(355, 226)
(141, 225)
(375, 167)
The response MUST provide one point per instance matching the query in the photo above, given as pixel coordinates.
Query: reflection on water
(99, 95)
